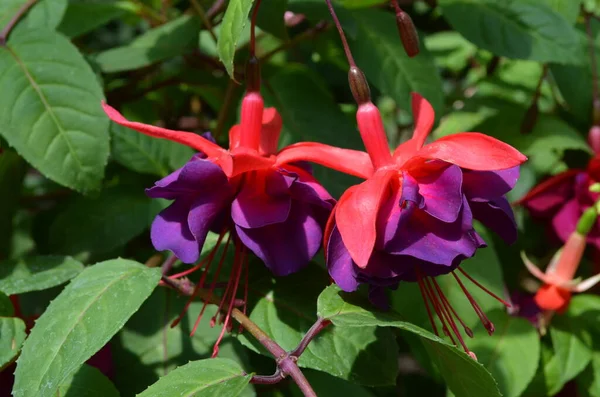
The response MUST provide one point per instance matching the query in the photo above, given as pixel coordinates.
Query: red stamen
(489, 326)
(468, 330)
(245, 303)
(202, 262)
(449, 315)
(237, 272)
(212, 285)
(437, 308)
(483, 288)
(423, 294)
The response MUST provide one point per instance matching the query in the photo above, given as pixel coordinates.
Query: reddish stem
(13, 21)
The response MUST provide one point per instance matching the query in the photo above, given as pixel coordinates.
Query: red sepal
(269, 134)
(349, 161)
(424, 117)
(548, 184)
(552, 297)
(356, 215)
(186, 138)
(470, 150)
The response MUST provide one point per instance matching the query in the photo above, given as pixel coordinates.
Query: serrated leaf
(232, 25)
(511, 354)
(87, 382)
(113, 218)
(145, 154)
(82, 319)
(464, 376)
(366, 356)
(44, 14)
(36, 273)
(521, 29)
(12, 172)
(176, 37)
(379, 52)
(12, 335)
(50, 109)
(213, 377)
(84, 16)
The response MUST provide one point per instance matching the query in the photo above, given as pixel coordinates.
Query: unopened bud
(594, 138)
(587, 221)
(408, 33)
(530, 118)
(359, 86)
(253, 75)
(595, 188)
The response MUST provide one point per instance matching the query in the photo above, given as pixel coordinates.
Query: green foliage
(72, 200)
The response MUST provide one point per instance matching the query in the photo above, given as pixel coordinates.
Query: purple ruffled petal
(263, 200)
(170, 231)
(339, 263)
(195, 176)
(288, 246)
(498, 216)
(489, 185)
(442, 193)
(205, 209)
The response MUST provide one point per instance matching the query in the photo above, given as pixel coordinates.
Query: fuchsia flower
(412, 219)
(563, 198)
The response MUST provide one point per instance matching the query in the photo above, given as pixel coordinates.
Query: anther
(359, 86)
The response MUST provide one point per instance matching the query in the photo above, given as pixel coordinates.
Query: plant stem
(168, 264)
(317, 327)
(13, 21)
(286, 362)
(204, 18)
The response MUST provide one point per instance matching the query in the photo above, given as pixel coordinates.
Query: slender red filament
(483, 288)
(203, 262)
(423, 294)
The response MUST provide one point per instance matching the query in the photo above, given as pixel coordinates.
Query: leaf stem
(224, 111)
(168, 264)
(204, 18)
(13, 21)
(317, 327)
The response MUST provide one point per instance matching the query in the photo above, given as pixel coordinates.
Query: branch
(286, 362)
(13, 21)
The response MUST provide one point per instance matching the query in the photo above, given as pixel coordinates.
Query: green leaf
(511, 354)
(521, 29)
(212, 377)
(572, 346)
(232, 26)
(271, 18)
(87, 382)
(50, 109)
(79, 322)
(44, 14)
(148, 348)
(84, 16)
(569, 9)
(6, 306)
(174, 38)
(464, 376)
(367, 356)
(12, 172)
(145, 154)
(310, 113)
(12, 335)
(101, 224)
(450, 50)
(36, 273)
(326, 385)
(379, 53)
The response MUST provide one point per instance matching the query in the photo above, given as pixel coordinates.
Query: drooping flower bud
(407, 30)
(359, 86)
(594, 138)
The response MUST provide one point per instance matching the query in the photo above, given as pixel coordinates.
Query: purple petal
(339, 263)
(429, 239)
(170, 231)
(442, 193)
(489, 184)
(565, 220)
(205, 209)
(498, 216)
(288, 246)
(195, 176)
(264, 199)
(306, 188)
(396, 210)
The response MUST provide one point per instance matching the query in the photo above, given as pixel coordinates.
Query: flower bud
(359, 86)
(594, 139)
(408, 33)
(587, 221)
(253, 75)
